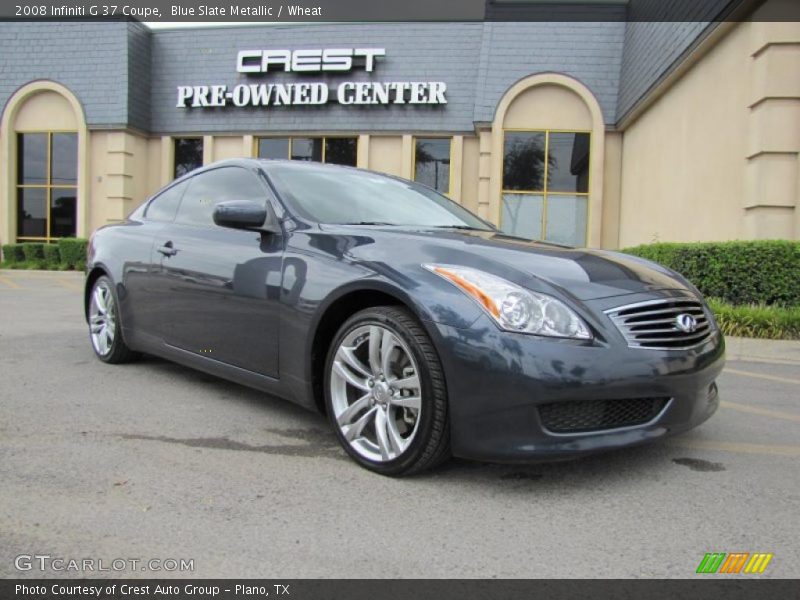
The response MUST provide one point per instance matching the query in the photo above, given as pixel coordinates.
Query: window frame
(545, 193)
(414, 139)
(291, 139)
(48, 187)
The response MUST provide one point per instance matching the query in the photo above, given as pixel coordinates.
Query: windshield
(347, 196)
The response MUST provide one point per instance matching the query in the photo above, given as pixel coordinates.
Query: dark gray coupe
(419, 329)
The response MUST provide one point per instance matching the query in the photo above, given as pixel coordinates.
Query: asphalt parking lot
(155, 461)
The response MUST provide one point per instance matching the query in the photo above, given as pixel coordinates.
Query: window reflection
(523, 161)
(32, 158)
(307, 149)
(432, 163)
(164, 207)
(568, 170)
(566, 219)
(273, 148)
(552, 168)
(522, 215)
(64, 159)
(334, 150)
(209, 188)
(63, 212)
(188, 155)
(47, 178)
(32, 212)
(341, 151)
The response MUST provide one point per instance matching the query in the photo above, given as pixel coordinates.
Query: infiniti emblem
(686, 323)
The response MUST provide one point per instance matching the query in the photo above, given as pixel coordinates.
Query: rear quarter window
(164, 207)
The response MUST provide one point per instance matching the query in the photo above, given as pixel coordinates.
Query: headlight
(514, 308)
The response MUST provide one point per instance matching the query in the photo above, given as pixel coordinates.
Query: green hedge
(34, 251)
(73, 252)
(770, 322)
(52, 257)
(740, 273)
(67, 253)
(13, 253)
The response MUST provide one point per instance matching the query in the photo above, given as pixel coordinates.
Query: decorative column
(772, 175)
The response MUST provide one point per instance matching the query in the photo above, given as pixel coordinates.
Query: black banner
(706, 587)
(309, 11)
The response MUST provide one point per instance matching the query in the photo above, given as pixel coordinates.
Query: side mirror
(245, 214)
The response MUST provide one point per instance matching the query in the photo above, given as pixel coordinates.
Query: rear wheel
(385, 392)
(105, 331)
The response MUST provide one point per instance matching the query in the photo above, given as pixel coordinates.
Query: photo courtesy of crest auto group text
(353, 299)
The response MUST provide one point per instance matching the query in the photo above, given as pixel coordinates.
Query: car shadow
(311, 436)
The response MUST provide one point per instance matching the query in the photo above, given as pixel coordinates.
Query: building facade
(598, 134)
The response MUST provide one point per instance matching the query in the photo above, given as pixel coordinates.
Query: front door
(221, 285)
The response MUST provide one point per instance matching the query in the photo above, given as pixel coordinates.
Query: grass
(35, 264)
(757, 321)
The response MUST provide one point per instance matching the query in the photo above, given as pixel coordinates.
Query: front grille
(655, 324)
(580, 416)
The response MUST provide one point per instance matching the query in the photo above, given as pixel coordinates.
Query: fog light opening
(713, 391)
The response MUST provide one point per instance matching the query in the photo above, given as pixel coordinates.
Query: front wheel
(105, 330)
(385, 393)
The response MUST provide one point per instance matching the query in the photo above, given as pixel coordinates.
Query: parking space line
(766, 412)
(10, 283)
(26, 274)
(738, 447)
(762, 376)
(69, 285)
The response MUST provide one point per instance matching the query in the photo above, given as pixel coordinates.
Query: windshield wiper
(368, 223)
(464, 227)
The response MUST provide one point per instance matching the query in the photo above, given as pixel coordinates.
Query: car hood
(583, 273)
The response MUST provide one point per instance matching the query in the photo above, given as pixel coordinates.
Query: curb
(757, 350)
(41, 272)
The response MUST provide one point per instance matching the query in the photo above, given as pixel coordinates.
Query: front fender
(319, 292)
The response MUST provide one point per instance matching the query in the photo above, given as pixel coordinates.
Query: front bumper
(498, 380)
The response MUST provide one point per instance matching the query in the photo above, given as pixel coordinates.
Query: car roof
(269, 164)
(266, 163)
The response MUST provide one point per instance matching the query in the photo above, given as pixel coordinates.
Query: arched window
(547, 161)
(44, 139)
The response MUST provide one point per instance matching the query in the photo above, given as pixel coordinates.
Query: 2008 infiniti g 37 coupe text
(419, 329)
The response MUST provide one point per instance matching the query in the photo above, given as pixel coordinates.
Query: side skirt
(150, 344)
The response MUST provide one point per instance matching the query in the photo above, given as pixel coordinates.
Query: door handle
(167, 249)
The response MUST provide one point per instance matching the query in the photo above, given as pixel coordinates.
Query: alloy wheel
(376, 393)
(102, 318)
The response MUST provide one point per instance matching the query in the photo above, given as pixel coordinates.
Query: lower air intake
(580, 416)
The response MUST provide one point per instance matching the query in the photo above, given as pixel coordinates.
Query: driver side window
(209, 188)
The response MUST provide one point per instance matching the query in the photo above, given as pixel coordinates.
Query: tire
(105, 329)
(382, 374)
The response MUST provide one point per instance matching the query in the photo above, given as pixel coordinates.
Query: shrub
(73, 252)
(34, 252)
(52, 256)
(759, 272)
(757, 321)
(12, 254)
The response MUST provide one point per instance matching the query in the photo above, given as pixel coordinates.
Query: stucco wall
(716, 156)
(683, 160)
